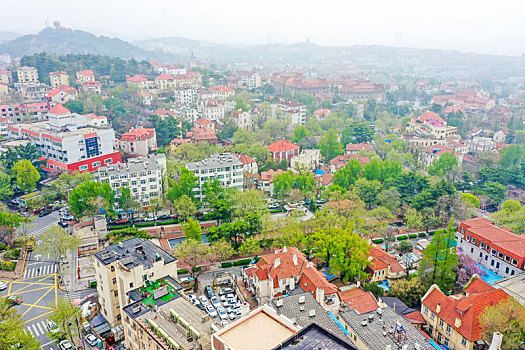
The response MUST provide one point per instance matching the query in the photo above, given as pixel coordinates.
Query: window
(468, 238)
(500, 255)
(115, 293)
(448, 329)
(491, 262)
(425, 310)
(108, 160)
(444, 341)
(432, 316)
(95, 164)
(131, 285)
(114, 280)
(119, 317)
(507, 270)
(472, 250)
(482, 245)
(464, 341)
(494, 252)
(480, 254)
(514, 262)
(82, 167)
(440, 337)
(441, 324)
(507, 258)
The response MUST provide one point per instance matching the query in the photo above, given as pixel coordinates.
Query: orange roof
(59, 109)
(382, 260)
(221, 89)
(164, 76)
(245, 159)
(341, 160)
(203, 121)
(463, 307)
(359, 300)
(325, 179)
(282, 146)
(322, 112)
(202, 133)
(354, 147)
(415, 317)
(86, 72)
(162, 112)
(268, 175)
(137, 78)
(138, 134)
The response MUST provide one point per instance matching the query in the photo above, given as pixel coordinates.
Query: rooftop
(514, 285)
(282, 146)
(215, 161)
(359, 300)
(134, 252)
(314, 336)
(156, 293)
(383, 327)
(133, 165)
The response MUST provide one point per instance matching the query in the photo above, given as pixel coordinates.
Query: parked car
(204, 300)
(121, 221)
(211, 311)
(3, 285)
(234, 314)
(150, 218)
(224, 323)
(273, 206)
(225, 298)
(215, 301)
(52, 327)
(192, 298)
(44, 213)
(71, 218)
(225, 291)
(222, 313)
(38, 211)
(209, 291)
(65, 345)
(91, 339)
(165, 217)
(63, 224)
(14, 300)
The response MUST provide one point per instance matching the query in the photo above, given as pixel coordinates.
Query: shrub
(432, 233)
(3, 247)
(7, 265)
(422, 234)
(12, 254)
(171, 222)
(412, 235)
(378, 241)
(145, 224)
(182, 271)
(19, 242)
(242, 262)
(227, 264)
(391, 239)
(402, 238)
(374, 288)
(120, 227)
(93, 284)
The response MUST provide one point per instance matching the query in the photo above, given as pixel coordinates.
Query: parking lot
(222, 303)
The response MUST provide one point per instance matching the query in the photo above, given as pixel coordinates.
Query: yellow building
(4, 89)
(27, 75)
(58, 78)
(5, 76)
(126, 266)
(431, 125)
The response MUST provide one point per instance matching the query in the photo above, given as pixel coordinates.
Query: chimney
(497, 338)
(294, 259)
(310, 264)
(285, 249)
(438, 308)
(457, 323)
(277, 262)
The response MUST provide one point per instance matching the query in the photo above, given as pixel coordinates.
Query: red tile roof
(325, 179)
(282, 146)
(245, 159)
(56, 73)
(268, 175)
(382, 260)
(59, 109)
(322, 112)
(137, 78)
(359, 300)
(415, 317)
(202, 133)
(164, 76)
(465, 308)
(221, 89)
(355, 147)
(342, 160)
(439, 150)
(162, 111)
(203, 121)
(138, 134)
(87, 72)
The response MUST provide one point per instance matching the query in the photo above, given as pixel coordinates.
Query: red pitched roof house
(288, 269)
(359, 300)
(453, 320)
(205, 122)
(249, 164)
(59, 109)
(266, 182)
(383, 266)
(354, 148)
(283, 150)
(340, 161)
(141, 141)
(202, 134)
(321, 113)
(324, 180)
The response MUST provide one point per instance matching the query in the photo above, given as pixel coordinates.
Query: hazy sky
(467, 25)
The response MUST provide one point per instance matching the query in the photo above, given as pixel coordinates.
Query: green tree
(56, 242)
(184, 207)
(28, 151)
(367, 190)
(126, 202)
(329, 145)
(348, 175)
(409, 292)
(495, 191)
(67, 318)
(511, 156)
(192, 230)
(372, 170)
(283, 183)
(440, 260)
(472, 199)
(75, 106)
(67, 181)
(360, 132)
(248, 202)
(512, 215)
(184, 186)
(89, 197)
(6, 190)
(506, 317)
(250, 247)
(218, 198)
(25, 174)
(299, 133)
(12, 334)
(390, 198)
(444, 164)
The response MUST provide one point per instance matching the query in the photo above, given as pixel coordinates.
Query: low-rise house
(340, 161)
(61, 94)
(308, 160)
(27, 75)
(205, 122)
(58, 78)
(433, 153)
(186, 95)
(85, 76)
(92, 87)
(249, 80)
(359, 300)
(499, 136)
(211, 109)
(243, 120)
(223, 92)
(321, 113)
(324, 180)
(4, 89)
(382, 329)
(355, 148)
(454, 320)
(480, 144)
(202, 134)
(5, 77)
(430, 125)
(283, 150)
(249, 164)
(139, 141)
(288, 271)
(513, 286)
(34, 92)
(383, 266)
(165, 81)
(139, 79)
(266, 181)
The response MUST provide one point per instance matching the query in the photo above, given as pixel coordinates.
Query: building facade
(27, 75)
(58, 78)
(139, 141)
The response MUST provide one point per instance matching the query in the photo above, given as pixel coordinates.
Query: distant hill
(172, 44)
(4, 36)
(63, 41)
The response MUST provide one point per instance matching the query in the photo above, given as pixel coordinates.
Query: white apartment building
(70, 141)
(308, 160)
(143, 176)
(211, 109)
(250, 80)
(125, 266)
(185, 95)
(27, 75)
(225, 167)
(480, 144)
(295, 110)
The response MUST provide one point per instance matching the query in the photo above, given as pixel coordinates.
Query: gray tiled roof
(293, 310)
(315, 337)
(215, 161)
(130, 256)
(377, 333)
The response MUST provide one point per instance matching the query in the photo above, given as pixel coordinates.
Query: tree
(192, 230)
(249, 202)
(414, 221)
(126, 203)
(66, 316)
(184, 207)
(360, 132)
(390, 198)
(374, 288)
(329, 145)
(409, 292)
(218, 199)
(471, 199)
(348, 175)
(56, 242)
(6, 190)
(8, 223)
(250, 247)
(89, 197)
(405, 247)
(196, 256)
(67, 181)
(506, 317)
(28, 151)
(299, 133)
(511, 214)
(468, 268)
(495, 191)
(440, 259)
(26, 175)
(367, 190)
(283, 183)
(12, 334)
(512, 156)
(453, 206)
(75, 106)
(444, 164)
(184, 186)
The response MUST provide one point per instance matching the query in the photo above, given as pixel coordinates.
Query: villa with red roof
(205, 122)
(476, 99)
(354, 148)
(359, 300)
(288, 270)
(454, 320)
(202, 134)
(283, 150)
(223, 92)
(340, 161)
(496, 248)
(61, 94)
(430, 125)
(321, 113)
(138, 79)
(139, 141)
(433, 153)
(164, 81)
(383, 266)
(85, 76)
(249, 164)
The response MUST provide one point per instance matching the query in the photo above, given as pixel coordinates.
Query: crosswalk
(75, 295)
(38, 231)
(39, 270)
(36, 329)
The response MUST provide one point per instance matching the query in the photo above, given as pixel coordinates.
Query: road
(38, 286)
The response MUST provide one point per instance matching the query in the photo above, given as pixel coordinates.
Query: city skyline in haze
(468, 26)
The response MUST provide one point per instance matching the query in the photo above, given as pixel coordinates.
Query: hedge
(412, 235)
(7, 265)
(182, 271)
(120, 227)
(378, 241)
(242, 262)
(226, 264)
(12, 254)
(402, 238)
(145, 224)
(422, 234)
(276, 211)
(432, 233)
(93, 284)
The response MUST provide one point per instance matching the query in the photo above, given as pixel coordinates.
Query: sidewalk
(70, 274)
